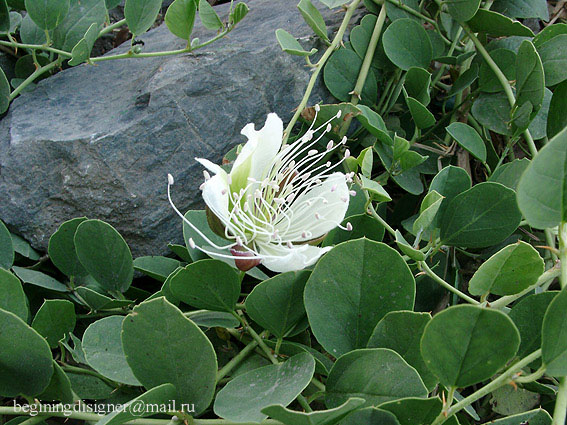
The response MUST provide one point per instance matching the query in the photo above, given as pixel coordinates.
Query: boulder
(99, 140)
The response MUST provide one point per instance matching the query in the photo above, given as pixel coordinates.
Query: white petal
(283, 259)
(327, 203)
(213, 168)
(261, 148)
(216, 200)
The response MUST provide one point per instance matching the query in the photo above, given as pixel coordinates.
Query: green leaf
(391, 378)
(530, 84)
(82, 50)
(213, 319)
(320, 417)
(363, 226)
(61, 249)
(39, 279)
(6, 247)
(374, 123)
(54, 320)
(4, 92)
(96, 301)
(244, 397)
(239, 12)
(22, 247)
(497, 25)
(180, 18)
(360, 37)
(4, 17)
(47, 14)
(370, 415)
(464, 80)
(468, 138)
(157, 396)
(401, 331)
(141, 14)
(428, 212)
(104, 254)
(407, 45)
(554, 336)
(557, 119)
(192, 371)
(508, 400)
(30, 33)
(417, 411)
(12, 296)
(313, 18)
(341, 73)
(375, 190)
(533, 417)
(82, 15)
(111, 4)
(417, 84)
(553, 55)
(394, 12)
(509, 174)
(331, 4)
(509, 271)
(466, 344)
(522, 8)
(407, 249)
(461, 10)
(103, 350)
(422, 117)
(450, 182)
(542, 192)
(25, 358)
(158, 268)
(506, 60)
(277, 303)
(290, 45)
(59, 387)
(208, 284)
(208, 16)
(90, 387)
(480, 217)
(351, 288)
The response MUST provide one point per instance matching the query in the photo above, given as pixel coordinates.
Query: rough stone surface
(98, 141)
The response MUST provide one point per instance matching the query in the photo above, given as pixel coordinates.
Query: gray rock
(98, 141)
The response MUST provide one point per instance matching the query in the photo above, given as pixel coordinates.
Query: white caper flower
(277, 200)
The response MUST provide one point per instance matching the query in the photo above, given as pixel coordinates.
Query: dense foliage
(443, 300)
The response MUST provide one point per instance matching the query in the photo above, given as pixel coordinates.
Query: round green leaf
(394, 12)
(391, 378)
(61, 248)
(509, 271)
(406, 44)
(208, 284)
(313, 17)
(370, 416)
(401, 331)
(213, 319)
(360, 37)
(553, 55)
(59, 387)
(104, 254)
(158, 268)
(243, 398)
(277, 303)
(25, 358)
(417, 84)
(340, 75)
(183, 357)
(465, 344)
(482, 216)
(47, 14)
(422, 117)
(461, 10)
(289, 44)
(530, 85)
(208, 16)
(12, 296)
(141, 14)
(103, 350)
(319, 417)
(554, 336)
(30, 33)
(497, 25)
(54, 320)
(542, 194)
(6, 247)
(180, 17)
(468, 138)
(506, 61)
(351, 289)
(362, 226)
(509, 174)
(157, 396)
(557, 119)
(90, 387)
(82, 15)
(417, 411)
(34, 277)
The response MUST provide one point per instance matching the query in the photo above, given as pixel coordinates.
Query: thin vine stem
(236, 360)
(423, 266)
(32, 77)
(319, 66)
(502, 380)
(111, 27)
(35, 47)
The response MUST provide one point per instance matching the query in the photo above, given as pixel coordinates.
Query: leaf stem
(111, 27)
(32, 77)
(35, 47)
(319, 66)
(423, 266)
(488, 388)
